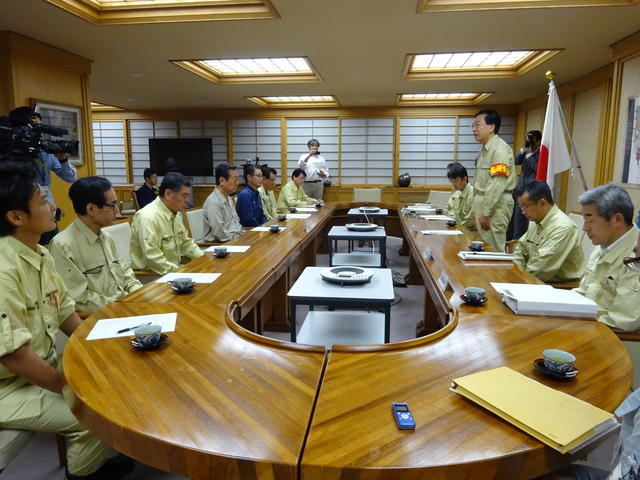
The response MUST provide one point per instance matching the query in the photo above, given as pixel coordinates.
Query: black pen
(122, 330)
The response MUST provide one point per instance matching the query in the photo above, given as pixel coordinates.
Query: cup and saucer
(293, 209)
(282, 217)
(181, 285)
(475, 296)
(476, 246)
(220, 252)
(452, 223)
(275, 228)
(557, 364)
(148, 337)
(317, 204)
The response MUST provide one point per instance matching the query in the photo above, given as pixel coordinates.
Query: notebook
(561, 421)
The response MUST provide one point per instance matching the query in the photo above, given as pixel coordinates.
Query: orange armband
(499, 169)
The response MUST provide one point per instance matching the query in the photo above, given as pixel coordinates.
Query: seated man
(148, 192)
(249, 205)
(221, 222)
(551, 250)
(159, 238)
(86, 257)
(608, 220)
(34, 305)
(292, 194)
(266, 191)
(461, 200)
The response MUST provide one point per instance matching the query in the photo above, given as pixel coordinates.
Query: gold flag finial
(550, 75)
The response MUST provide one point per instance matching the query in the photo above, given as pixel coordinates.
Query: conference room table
(221, 401)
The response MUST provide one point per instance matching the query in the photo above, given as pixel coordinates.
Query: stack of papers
(265, 229)
(559, 420)
(437, 217)
(305, 209)
(469, 255)
(527, 299)
(298, 215)
(420, 209)
(441, 232)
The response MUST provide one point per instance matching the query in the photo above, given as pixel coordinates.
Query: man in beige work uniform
(34, 305)
(86, 257)
(495, 180)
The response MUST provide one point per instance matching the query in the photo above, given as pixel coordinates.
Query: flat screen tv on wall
(189, 156)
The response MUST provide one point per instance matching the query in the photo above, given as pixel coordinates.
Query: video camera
(25, 142)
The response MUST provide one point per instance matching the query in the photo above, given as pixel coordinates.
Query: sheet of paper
(265, 229)
(230, 248)
(441, 232)
(510, 288)
(108, 328)
(305, 209)
(436, 217)
(195, 277)
(298, 215)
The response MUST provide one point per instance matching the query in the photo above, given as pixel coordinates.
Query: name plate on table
(443, 281)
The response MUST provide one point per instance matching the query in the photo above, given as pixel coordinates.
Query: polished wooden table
(219, 401)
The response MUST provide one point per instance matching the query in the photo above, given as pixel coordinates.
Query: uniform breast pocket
(167, 241)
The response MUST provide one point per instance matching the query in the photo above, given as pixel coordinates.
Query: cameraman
(44, 163)
(528, 158)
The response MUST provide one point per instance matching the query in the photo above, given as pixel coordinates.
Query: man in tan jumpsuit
(34, 305)
(495, 180)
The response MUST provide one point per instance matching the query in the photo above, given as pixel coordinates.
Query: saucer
(223, 255)
(475, 304)
(538, 363)
(182, 291)
(476, 249)
(163, 340)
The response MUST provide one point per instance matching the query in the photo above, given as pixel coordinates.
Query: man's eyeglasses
(113, 204)
(632, 263)
(526, 205)
(476, 125)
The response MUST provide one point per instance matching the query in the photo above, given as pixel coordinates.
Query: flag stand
(574, 154)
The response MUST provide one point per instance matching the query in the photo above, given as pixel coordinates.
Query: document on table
(468, 255)
(265, 229)
(561, 421)
(305, 209)
(298, 215)
(230, 248)
(526, 299)
(436, 217)
(441, 232)
(195, 277)
(108, 328)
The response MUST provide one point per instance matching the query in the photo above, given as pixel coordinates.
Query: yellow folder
(559, 420)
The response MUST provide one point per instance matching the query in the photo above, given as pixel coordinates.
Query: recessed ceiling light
(252, 70)
(503, 63)
(296, 101)
(466, 5)
(452, 98)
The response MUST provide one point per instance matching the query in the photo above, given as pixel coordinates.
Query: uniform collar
(491, 141)
(549, 216)
(162, 208)
(33, 257)
(85, 231)
(624, 244)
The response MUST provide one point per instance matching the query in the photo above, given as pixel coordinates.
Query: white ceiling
(357, 46)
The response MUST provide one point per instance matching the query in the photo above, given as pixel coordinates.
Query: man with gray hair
(608, 221)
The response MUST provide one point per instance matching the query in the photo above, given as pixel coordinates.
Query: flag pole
(574, 153)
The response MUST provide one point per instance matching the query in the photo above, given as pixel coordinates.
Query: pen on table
(122, 330)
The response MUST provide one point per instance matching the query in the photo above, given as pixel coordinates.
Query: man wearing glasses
(249, 204)
(608, 221)
(495, 180)
(550, 250)
(86, 257)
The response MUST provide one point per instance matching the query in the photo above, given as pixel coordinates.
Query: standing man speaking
(495, 180)
(315, 167)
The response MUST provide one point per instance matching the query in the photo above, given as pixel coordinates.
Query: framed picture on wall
(631, 169)
(62, 116)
